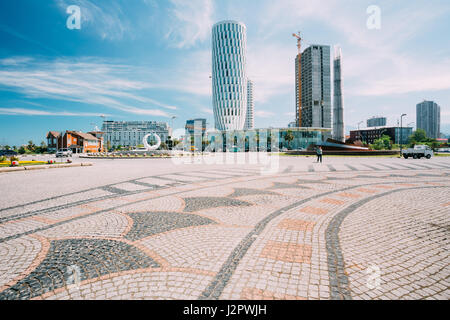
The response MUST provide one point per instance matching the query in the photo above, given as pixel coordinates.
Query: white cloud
(207, 110)
(375, 61)
(34, 112)
(264, 114)
(86, 81)
(106, 19)
(190, 22)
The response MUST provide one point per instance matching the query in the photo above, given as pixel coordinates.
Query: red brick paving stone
(296, 224)
(332, 201)
(406, 184)
(259, 294)
(287, 252)
(366, 190)
(349, 195)
(314, 210)
(384, 187)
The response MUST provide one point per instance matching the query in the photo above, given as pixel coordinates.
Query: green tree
(7, 147)
(289, 136)
(31, 146)
(383, 143)
(22, 150)
(418, 136)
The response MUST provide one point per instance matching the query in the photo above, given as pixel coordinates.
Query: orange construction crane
(299, 41)
(298, 81)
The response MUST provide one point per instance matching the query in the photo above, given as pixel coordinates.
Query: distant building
(78, 142)
(131, 133)
(52, 141)
(267, 139)
(428, 118)
(249, 119)
(315, 87)
(195, 133)
(292, 124)
(376, 122)
(398, 135)
(229, 75)
(338, 100)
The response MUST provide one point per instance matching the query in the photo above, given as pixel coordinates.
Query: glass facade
(428, 114)
(264, 139)
(229, 75)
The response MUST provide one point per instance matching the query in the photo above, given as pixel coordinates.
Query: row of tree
(418, 137)
(30, 148)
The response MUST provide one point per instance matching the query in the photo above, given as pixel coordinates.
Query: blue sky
(150, 60)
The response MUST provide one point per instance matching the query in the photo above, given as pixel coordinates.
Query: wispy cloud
(34, 112)
(207, 110)
(264, 114)
(106, 18)
(190, 22)
(87, 81)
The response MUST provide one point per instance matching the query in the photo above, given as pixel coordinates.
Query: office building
(264, 139)
(376, 122)
(131, 133)
(229, 75)
(298, 90)
(249, 119)
(315, 87)
(195, 132)
(428, 118)
(338, 99)
(396, 134)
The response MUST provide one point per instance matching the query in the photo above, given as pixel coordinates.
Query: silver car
(64, 153)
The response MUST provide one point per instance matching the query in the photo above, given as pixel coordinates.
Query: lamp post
(401, 133)
(106, 136)
(359, 133)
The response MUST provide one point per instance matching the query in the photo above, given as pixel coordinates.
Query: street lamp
(401, 133)
(359, 133)
(106, 137)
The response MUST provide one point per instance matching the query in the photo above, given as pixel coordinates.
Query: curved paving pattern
(150, 223)
(93, 258)
(236, 235)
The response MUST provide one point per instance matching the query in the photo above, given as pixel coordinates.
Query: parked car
(8, 153)
(64, 153)
(418, 152)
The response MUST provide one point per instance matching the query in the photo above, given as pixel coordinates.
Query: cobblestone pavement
(342, 231)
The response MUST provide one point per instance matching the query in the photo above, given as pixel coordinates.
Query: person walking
(319, 154)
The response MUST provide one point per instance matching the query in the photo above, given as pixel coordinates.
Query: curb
(42, 167)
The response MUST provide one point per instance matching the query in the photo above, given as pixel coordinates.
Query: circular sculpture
(155, 146)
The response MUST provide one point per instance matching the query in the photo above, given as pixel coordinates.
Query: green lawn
(27, 164)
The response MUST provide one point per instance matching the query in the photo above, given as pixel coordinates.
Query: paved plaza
(349, 228)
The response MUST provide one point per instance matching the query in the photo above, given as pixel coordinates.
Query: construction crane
(299, 41)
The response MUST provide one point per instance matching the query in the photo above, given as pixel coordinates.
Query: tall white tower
(338, 99)
(249, 119)
(229, 75)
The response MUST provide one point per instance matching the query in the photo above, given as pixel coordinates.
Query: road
(231, 228)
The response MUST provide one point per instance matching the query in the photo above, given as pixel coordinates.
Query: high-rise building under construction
(338, 98)
(312, 86)
(315, 87)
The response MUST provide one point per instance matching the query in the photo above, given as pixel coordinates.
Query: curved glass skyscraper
(229, 75)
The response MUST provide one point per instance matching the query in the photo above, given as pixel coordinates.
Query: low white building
(131, 133)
